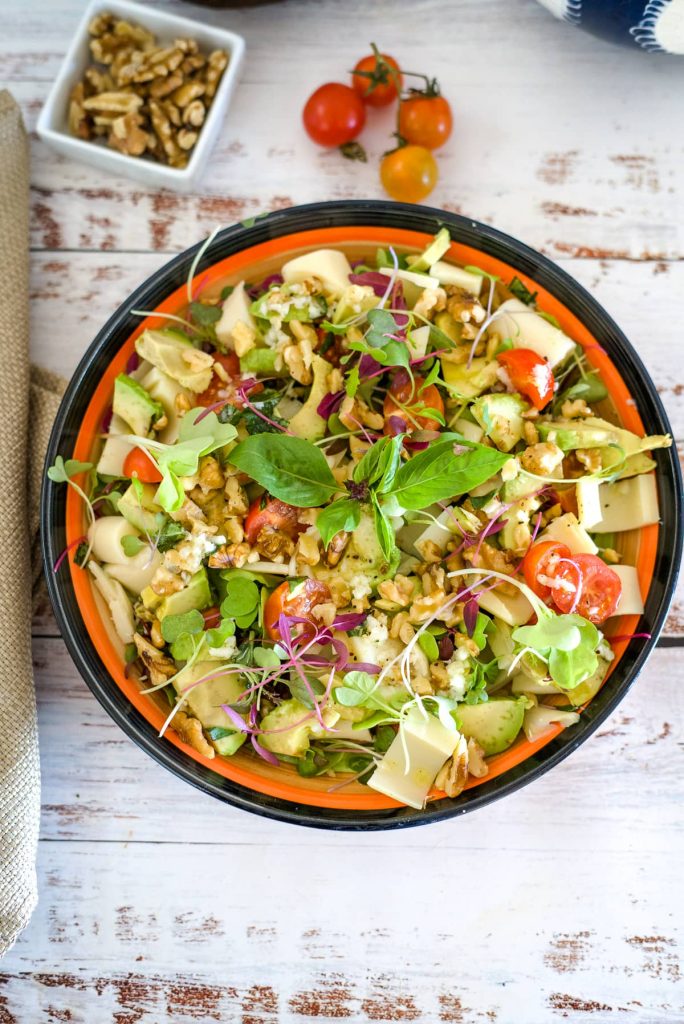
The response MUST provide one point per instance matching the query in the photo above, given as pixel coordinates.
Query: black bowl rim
(523, 259)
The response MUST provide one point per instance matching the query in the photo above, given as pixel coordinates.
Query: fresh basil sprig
(344, 514)
(443, 471)
(290, 468)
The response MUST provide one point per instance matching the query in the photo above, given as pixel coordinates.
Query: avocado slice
(469, 382)
(450, 326)
(495, 724)
(141, 512)
(294, 739)
(432, 252)
(260, 361)
(135, 405)
(205, 700)
(196, 594)
(174, 354)
(354, 300)
(307, 423)
(500, 416)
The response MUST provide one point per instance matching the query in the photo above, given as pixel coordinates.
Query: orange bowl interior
(255, 263)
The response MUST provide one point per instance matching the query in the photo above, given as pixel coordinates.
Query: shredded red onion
(397, 425)
(369, 367)
(264, 753)
(258, 289)
(629, 636)
(67, 549)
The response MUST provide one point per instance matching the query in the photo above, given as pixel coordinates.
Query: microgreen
(567, 642)
(204, 315)
(174, 626)
(131, 545)
(242, 597)
(220, 635)
(522, 292)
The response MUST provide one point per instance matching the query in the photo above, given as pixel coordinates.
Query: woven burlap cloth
(21, 455)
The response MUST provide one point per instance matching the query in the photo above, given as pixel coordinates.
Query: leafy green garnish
(174, 626)
(359, 690)
(131, 545)
(170, 533)
(290, 468)
(203, 315)
(567, 642)
(300, 692)
(226, 291)
(242, 597)
(344, 514)
(219, 636)
(61, 472)
(265, 404)
(439, 473)
(522, 292)
(549, 317)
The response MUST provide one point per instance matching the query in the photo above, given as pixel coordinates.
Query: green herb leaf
(290, 468)
(383, 528)
(567, 642)
(299, 691)
(221, 634)
(428, 645)
(184, 648)
(549, 317)
(344, 514)
(173, 626)
(226, 291)
(351, 384)
(438, 473)
(265, 657)
(242, 597)
(522, 292)
(62, 471)
(131, 545)
(203, 315)
(169, 535)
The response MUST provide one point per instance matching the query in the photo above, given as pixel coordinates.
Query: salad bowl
(256, 250)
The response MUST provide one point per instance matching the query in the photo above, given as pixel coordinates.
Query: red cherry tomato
(300, 602)
(218, 387)
(409, 174)
(334, 114)
(531, 375)
(374, 80)
(405, 400)
(138, 463)
(212, 617)
(267, 511)
(425, 120)
(599, 587)
(539, 565)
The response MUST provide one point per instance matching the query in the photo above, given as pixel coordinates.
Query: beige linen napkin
(19, 767)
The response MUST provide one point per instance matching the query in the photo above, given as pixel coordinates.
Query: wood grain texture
(562, 903)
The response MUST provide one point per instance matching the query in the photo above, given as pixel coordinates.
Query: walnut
(429, 551)
(156, 634)
(162, 88)
(150, 64)
(190, 731)
(354, 412)
(232, 528)
(398, 591)
(542, 458)
(490, 557)
(439, 676)
(337, 547)
(188, 92)
(163, 129)
(307, 550)
(274, 544)
(429, 302)
(477, 766)
(454, 775)
(128, 137)
(77, 116)
(210, 474)
(464, 307)
(159, 666)
(424, 606)
(114, 103)
(244, 338)
(194, 114)
(230, 556)
(217, 62)
(325, 612)
(236, 498)
(295, 357)
(341, 592)
(590, 458)
(181, 404)
(401, 628)
(98, 81)
(101, 23)
(186, 138)
(530, 432)
(165, 582)
(173, 113)
(334, 381)
(575, 409)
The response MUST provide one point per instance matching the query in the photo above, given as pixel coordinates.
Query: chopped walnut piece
(165, 582)
(210, 474)
(477, 766)
(190, 731)
(159, 666)
(217, 62)
(542, 458)
(398, 590)
(230, 556)
(236, 498)
(454, 775)
(590, 458)
(77, 116)
(574, 409)
(307, 550)
(274, 544)
(325, 612)
(128, 137)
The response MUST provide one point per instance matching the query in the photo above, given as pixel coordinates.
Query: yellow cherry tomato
(409, 174)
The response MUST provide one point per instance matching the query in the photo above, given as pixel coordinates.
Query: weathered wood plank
(92, 775)
(583, 185)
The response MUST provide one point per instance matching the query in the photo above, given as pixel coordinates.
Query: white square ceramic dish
(52, 122)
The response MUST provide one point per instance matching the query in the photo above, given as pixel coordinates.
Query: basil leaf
(385, 533)
(438, 473)
(522, 292)
(344, 514)
(290, 468)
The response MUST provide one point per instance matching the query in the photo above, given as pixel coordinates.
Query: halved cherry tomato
(212, 617)
(138, 463)
(374, 81)
(407, 393)
(531, 375)
(218, 387)
(599, 587)
(334, 114)
(425, 120)
(539, 565)
(299, 601)
(267, 511)
(409, 174)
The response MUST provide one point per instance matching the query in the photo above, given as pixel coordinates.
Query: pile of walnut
(142, 98)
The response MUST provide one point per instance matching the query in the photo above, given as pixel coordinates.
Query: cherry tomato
(407, 393)
(409, 174)
(425, 120)
(541, 561)
(138, 463)
(218, 387)
(599, 587)
(531, 375)
(334, 114)
(267, 511)
(212, 617)
(298, 602)
(376, 85)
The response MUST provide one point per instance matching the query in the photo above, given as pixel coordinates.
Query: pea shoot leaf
(204, 315)
(567, 642)
(174, 626)
(132, 545)
(62, 471)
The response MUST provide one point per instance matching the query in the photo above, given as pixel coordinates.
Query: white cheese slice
(429, 744)
(120, 608)
(235, 310)
(631, 601)
(527, 329)
(567, 530)
(513, 609)
(447, 273)
(588, 503)
(628, 504)
(329, 266)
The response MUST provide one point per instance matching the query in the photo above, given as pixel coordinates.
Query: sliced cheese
(588, 503)
(429, 744)
(567, 530)
(513, 609)
(447, 273)
(628, 504)
(329, 266)
(235, 310)
(414, 284)
(631, 601)
(120, 608)
(527, 329)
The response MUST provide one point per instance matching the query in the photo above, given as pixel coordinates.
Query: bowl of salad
(360, 515)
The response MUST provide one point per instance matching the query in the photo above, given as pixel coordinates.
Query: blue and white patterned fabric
(654, 25)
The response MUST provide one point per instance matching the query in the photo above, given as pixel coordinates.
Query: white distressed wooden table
(565, 901)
